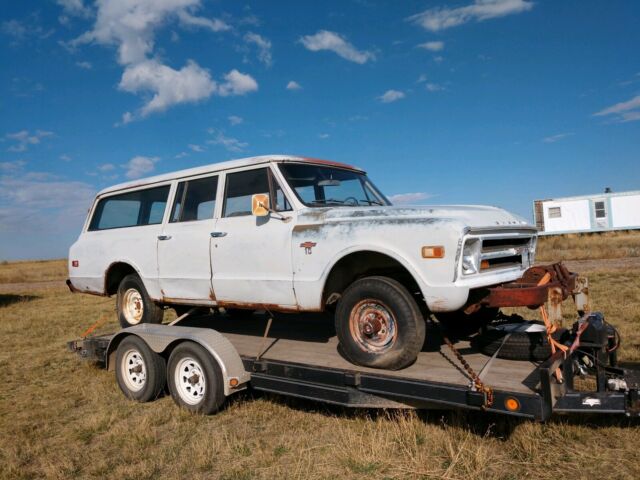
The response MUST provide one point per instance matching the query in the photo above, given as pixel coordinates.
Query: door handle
(218, 234)
(164, 237)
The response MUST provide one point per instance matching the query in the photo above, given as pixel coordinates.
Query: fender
(161, 338)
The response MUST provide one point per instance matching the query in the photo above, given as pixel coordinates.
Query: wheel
(140, 372)
(379, 324)
(134, 304)
(527, 341)
(195, 379)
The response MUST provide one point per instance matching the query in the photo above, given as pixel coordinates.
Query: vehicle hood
(473, 216)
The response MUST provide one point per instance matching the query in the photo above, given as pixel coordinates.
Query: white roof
(588, 197)
(215, 167)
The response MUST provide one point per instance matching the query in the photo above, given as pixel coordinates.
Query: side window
(555, 212)
(240, 187)
(281, 202)
(142, 207)
(600, 210)
(195, 200)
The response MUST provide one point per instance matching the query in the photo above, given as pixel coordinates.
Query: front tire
(134, 304)
(379, 324)
(195, 380)
(140, 372)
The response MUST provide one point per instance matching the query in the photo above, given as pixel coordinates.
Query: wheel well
(115, 274)
(364, 264)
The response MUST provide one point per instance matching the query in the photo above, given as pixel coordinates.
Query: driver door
(251, 256)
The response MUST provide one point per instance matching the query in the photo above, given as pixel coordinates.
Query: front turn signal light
(433, 251)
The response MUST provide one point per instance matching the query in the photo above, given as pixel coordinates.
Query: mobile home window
(600, 211)
(195, 200)
(142, 207)
(555, 212)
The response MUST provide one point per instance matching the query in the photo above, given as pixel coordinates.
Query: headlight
(471, 256)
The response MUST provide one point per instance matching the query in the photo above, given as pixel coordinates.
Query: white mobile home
(588, 213)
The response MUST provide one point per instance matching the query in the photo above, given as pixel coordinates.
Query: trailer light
(484, 264)
(512, 404)
(233, 382)
(75, 263)
(434, 251)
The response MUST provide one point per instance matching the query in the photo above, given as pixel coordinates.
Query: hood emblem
(307, 247)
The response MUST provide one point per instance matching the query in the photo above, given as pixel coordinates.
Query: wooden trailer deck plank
(310, 339)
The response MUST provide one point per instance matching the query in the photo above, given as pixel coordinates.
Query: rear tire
(195, 380)
(379, 324)
(140, 372)
(531, 346)
(134, 304)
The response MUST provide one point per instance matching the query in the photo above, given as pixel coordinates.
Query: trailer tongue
(300, 357)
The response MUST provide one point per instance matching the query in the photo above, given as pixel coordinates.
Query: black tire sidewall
(532, 346)
(409, 323)
(151, 313)
(154, 365)
(213, 397)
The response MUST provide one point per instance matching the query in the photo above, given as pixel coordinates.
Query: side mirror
(260, 205)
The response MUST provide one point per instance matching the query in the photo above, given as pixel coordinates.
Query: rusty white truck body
(299, 257)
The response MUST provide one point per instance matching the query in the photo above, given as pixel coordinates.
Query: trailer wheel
(195, 379)
(527, 341)
(379, 324)
(140, 372)
(134, 304)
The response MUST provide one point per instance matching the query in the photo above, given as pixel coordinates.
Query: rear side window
(195, 200)
(142, 207)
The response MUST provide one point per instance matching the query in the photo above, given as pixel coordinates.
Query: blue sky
(489, 101)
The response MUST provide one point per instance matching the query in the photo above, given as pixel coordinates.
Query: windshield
(319, 186)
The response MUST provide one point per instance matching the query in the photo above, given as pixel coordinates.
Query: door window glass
(240, 187)
(142, 207)
(195, 200)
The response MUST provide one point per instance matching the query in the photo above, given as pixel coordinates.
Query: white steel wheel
(134, 371)
(190, 381)
(132, 306)
(140, 372)
(195, 379)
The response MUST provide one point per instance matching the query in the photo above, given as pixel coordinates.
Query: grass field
(60, 417)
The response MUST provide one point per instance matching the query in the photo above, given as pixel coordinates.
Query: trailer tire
(531, 346)
(379, 324)
(140, 372)
(195, 380)
(134, 305)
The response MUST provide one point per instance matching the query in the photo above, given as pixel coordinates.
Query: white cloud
(435, 46)
(433, 87)
(181, 155)
(628, 111)
(230, 143)
(237, 83)
(557, 137)
(24, 138)
(334, 42)
(139, 166)
(10, 167)
(195, 148)
(65, 158)
(263, 45)
(408, 198)
(75, 8)
(85, 65)
(292, 85)
(323, 136)
(213, 24)
(391, 96)
(440, 18)
(106, 167)
(169, 87)
(235, 120)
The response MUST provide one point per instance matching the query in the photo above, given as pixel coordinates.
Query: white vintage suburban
(293, 234)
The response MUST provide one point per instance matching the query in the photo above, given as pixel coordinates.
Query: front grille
(499, 253)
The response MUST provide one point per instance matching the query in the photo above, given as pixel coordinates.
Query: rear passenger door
(184, 264)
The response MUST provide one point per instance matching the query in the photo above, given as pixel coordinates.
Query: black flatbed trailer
(298, 355)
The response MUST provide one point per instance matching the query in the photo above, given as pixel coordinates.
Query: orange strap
(99, 323)
(551, 328)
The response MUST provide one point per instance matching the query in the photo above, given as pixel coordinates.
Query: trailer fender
(163, 338)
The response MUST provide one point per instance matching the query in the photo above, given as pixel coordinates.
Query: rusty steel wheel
(379, 324)
(134, 305)
(373, 326)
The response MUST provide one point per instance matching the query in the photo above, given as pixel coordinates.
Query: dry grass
(60, 417)
(33, 271)
(589, 246)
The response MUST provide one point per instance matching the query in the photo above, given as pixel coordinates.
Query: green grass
(61, 418)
